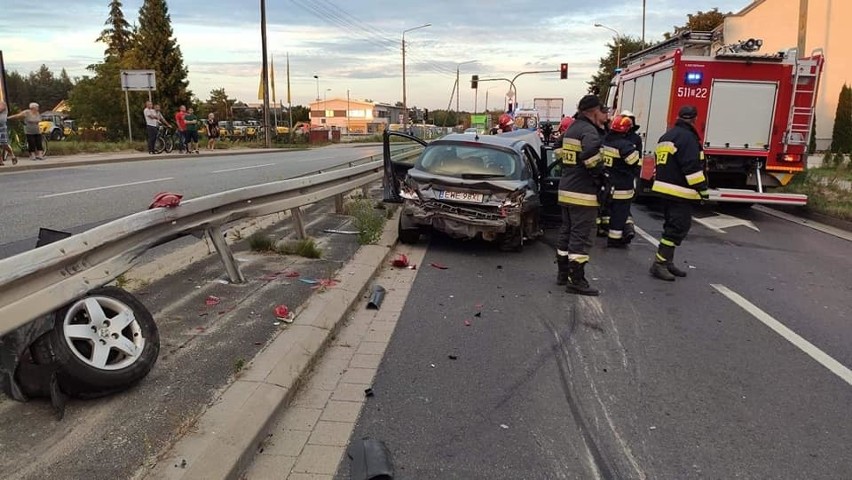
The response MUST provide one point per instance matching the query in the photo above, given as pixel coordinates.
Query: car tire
(407, 236)
(513, 241)
(56, 135)
(124, 357)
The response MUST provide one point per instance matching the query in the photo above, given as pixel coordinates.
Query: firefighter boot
(562, 273)
(577, 282)
(671, 268)
(629, 230)
(661, 268)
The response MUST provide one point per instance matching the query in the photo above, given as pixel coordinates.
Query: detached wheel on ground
(102, 343)
(407, 235)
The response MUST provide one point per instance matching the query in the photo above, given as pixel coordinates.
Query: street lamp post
(643, 22)
(617, 42)
(458, 85)
(317, 77)
(404, 96)
(266, 133)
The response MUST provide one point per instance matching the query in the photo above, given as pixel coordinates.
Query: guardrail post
(231, 266)
(296, 213)
(338, 203)
(365, 191)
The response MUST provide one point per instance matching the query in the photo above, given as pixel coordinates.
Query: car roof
(512, 140)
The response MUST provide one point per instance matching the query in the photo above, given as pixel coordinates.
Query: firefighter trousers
(619, 212)
(575, 234)
(678, 220)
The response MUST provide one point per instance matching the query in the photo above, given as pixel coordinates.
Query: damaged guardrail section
(40, 286)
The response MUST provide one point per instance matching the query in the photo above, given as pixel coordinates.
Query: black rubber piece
(371, 460)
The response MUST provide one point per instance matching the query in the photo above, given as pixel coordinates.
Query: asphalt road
(74, 199)
(650, 380)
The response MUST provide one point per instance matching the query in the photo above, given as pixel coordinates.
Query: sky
(355, 45)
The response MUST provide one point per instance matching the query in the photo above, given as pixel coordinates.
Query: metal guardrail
(40, 281)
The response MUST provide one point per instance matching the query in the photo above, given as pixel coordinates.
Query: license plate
(460, 196)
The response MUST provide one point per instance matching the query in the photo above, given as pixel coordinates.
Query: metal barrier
(35, 283)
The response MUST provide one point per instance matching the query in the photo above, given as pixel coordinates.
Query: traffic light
(563, 71)
(474, 81)
(425, 114)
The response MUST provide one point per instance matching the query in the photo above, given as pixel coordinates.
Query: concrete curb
(226, 437)
(71, 163)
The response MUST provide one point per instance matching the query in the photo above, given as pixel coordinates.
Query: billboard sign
(138, 80)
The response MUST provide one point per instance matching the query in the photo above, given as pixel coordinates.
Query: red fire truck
(755, 110)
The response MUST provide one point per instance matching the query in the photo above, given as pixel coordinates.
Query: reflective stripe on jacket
(579, 150)
(680, 163)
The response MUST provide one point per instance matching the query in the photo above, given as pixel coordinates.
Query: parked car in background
(488, 187)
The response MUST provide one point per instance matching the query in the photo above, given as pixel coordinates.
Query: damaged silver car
(469, 187)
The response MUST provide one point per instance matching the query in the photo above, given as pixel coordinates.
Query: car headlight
(408, 193)
(514, 199)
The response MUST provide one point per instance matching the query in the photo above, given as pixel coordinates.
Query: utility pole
(643, 22)
(803, 28)
(404, 95)
(266, 132)
(348, 131)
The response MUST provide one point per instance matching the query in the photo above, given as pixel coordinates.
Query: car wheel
(102, 343)
(407, 236)
(56, 135)
(513, 241)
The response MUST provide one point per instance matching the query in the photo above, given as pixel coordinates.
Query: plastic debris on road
(504, 426)
(376, 297)
(292, 274)
(467, 323)
(439, 266)
(401, 261)
(324, 283)
(212, 300)
(452, 357)
(165, 200)
(368, 392)
(309, 281)
(283, 313)
(342, 232)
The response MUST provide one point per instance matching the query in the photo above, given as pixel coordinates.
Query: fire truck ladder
(682, 40)
(805, 83)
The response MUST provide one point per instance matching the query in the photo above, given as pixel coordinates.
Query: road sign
(138, 80)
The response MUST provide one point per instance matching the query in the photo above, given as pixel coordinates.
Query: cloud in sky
(355, 45)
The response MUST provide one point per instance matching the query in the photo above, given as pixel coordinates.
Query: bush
(841, 138)
(259, 242)
(304, 248)
(369, 221)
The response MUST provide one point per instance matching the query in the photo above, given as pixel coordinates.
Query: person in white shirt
(152, 122)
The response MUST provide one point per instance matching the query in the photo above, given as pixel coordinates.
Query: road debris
(342, 232)
(309, 281)
(401, 261)
(376, 297)
(325, 283)
(165, 200)
(293, 274)
(432, 365)
(652, 427)
(212, 300)
(439, 266)
(467, 323)
(284, 314)
(504, 426)
(453, 357)
(368, 392)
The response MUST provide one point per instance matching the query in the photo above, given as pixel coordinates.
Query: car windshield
(468, 162)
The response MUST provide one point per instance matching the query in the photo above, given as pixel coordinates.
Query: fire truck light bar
(694, 78)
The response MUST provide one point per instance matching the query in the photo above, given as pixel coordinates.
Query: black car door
(550, 172)
(397, 161)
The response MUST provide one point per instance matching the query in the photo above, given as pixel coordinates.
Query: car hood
(495, 185)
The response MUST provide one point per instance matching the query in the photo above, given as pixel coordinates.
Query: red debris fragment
(439, 266)
(292, 275)
(211, 300)
(401, 261)
(165, 199)
(281, 311)
(325, 283)
(467, 323)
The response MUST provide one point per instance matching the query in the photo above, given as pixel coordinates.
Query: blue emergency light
(694, 78)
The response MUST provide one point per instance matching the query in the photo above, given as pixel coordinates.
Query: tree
(117, 36)
(701, 22)
(606, 69)
(301, 113)
(155, 48)
(219, 104)
(812, 146)
(841, 137)
(40, 86)
(19, 91)
(97, 100)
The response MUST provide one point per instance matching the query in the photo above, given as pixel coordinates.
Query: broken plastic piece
(165, 199)
(439, 266)
(452, 357)
(292, 275)
(368, 392)
(377, 297)
(477, 314)
(371, 460)
(401, 261)
(309, 281)
(212, 300)
(342, 232)
(281, 311)
(467, 323)
(504, 426)
(325, 283)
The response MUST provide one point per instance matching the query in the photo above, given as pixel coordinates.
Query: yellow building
(350, 116)
(776, 22)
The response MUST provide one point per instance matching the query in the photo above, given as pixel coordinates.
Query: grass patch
(367, 219)
(76, 147)
(304, 248)
(239, 365)
(827, 191)
(121, 281)
(259, 242)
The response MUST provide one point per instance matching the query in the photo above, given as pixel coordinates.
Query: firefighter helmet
(621, 124)
(505, 120)
(565, 123)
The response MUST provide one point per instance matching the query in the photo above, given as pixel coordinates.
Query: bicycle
(19, 144)
(165, 140)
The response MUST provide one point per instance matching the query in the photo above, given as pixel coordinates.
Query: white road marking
(720, 221)
(647, 236)
(243, 168)
(842, 234)
(826, 361)
(107, 187)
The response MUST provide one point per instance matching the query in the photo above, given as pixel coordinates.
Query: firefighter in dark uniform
(579, 150)
(620, 162)
(680, 181)
(636, 139)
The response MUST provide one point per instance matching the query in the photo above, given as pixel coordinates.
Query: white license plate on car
(460, 196)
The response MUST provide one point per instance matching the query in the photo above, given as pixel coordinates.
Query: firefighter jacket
(579, 149)
(680, 164)
(621, 161)
(636, 140)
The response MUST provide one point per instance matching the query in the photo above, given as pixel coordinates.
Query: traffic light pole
(513, 88)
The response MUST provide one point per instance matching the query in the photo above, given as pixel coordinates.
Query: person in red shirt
(181, 127)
